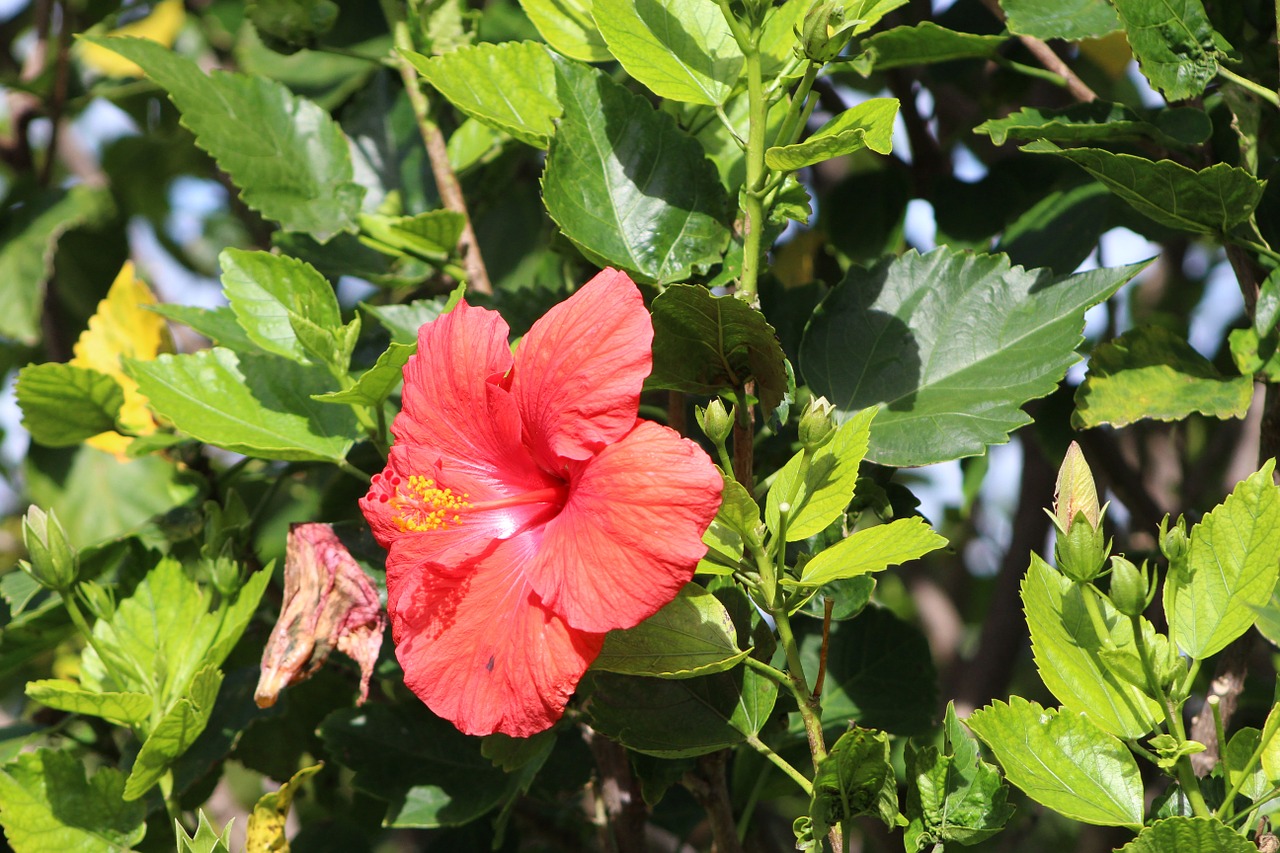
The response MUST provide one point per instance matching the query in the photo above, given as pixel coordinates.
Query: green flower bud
(1082, 551)
(817, 424)
(824, 32)
(1074, 493)
(1129, 586)
(716, 421)
(1174, 542)
(53, 562)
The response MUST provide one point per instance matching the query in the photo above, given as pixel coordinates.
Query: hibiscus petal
(480, 649)
(454, 403)
(579, 370)
(630, 534)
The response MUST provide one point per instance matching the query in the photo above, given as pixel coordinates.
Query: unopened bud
(1174, 542)
(817, 424)
(1129, 587)
(825, 32)
(1074, 493)
(53, 562)
(715, 420)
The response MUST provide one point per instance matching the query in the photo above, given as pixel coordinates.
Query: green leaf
(819, 496)
(868, 12)
(922, 44)
(1270, 759)
(62, 405)
(174, 734)
(567, 26)
(1063, 761)
(509, 86)
(681, 51)
(28, 242)
(872, 550)
(125, 709)
(1176, 47)
(48, 806)
(1267, 310)
(1100, 120)
(206, 840)
(286, 154)
(1230, 571)
(705, 344)
(692, 634)
(403, 321)
(868, 125)
(628, 186)
(377, 383)
(952, 343)
(432, 235)
(284, 306)
(266, 830)
(1070, 20)
(1150, 372)
(1244, 742)
(855, 778)
(217, 324)
(953, 796)
(256, 405)
(292, 23)
(679, 718)
(1060, 230)
(1210, 201)
(1189, 835)
(440, 777)
(1068, 653)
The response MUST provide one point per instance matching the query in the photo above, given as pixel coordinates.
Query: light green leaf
(1100, 120)
(1176, 47)
(377, 383)
(628, 186)
(217, 324)
(175, 732)
(286, 154)
(403, 321)
(681, 51)
(28, 240)
(868, 125)
(1063, 761)
(509, 86)
(1068, 653)
(206, 840)
(284, 306)
(48, 806)
(922, 44)
(432, 236)
(1188, 835)
(1070, 20)
(868, 12)
(1271, 751)
(567, 26)
(872, 550)
(62, 405)
(820, 495)
(125, 709)
(704, 344)
(1150, 372)
(778, 36)
(692, 634)
(1230, 571)
(1210, 201)
(951, 343)
(256, 405)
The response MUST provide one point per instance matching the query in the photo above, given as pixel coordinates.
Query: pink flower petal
(630, 534)
(480, 649)
(579, 370)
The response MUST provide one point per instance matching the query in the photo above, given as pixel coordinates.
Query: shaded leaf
(855, 778)
(922, 44)
(1176, 47)
(1071, 20)
(692, 634)
(1100, 120)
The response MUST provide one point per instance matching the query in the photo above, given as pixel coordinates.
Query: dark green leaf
(1063, 761)
(1100, 120)
(855, 778)
(1210, 201)
(62, 405)
(705, 344)
(256, 405)
(48, 806)
(292, 23)
(1071, 20)
(691, 635)
(628, 186)
(1174, 43)
(286, 154)
(1267, 310)
(922, 44)
(868, 125)
(1060, 231)
(952, 344)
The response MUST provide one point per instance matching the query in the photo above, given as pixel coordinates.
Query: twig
(624, 806)
(1050, 60)
(827, 605)
(708, 786)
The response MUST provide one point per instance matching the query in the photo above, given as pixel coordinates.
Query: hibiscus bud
(1174, 542)
(328, 603)
(715, 420)
(1129, 586)
(817, 424)
(824, 32)
(53, 562)
(1081, 549)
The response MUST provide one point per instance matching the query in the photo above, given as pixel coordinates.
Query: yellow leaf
(123, 328)
(266, 824)
(162, 25)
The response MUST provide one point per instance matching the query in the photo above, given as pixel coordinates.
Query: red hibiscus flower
(525, 508)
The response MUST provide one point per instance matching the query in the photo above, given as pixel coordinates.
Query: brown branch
(624, 806)
(1050, 60)
(709, 787)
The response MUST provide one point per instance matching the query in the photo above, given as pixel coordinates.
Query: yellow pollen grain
(421, 506)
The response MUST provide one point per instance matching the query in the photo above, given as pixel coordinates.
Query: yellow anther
(421, 506)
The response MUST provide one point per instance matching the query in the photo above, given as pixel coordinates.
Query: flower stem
(781, 763)
(792, 125)
(1244, 82)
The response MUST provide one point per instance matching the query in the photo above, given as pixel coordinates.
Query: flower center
(422, 504)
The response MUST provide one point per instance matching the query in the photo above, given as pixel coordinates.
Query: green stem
(171, 806)
(77, 619)
(781, 763)
(791, 125)
(767, 671)
(1244, 82)
(1254, 246)
(1033, 71)
(347, 468)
